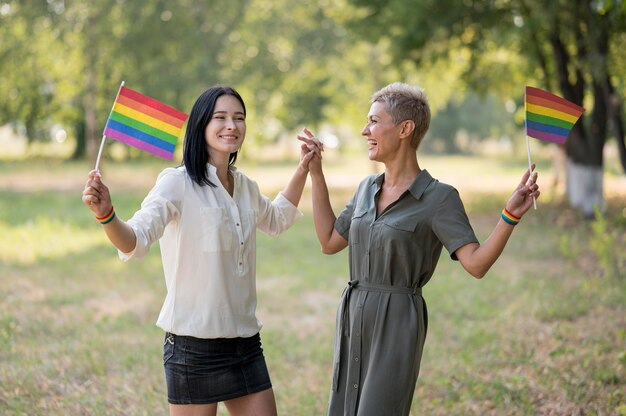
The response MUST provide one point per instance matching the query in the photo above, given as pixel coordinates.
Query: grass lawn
(544, 333)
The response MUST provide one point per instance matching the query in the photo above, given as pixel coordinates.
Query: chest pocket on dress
(216, 233)
(359, 228)
(398, 235)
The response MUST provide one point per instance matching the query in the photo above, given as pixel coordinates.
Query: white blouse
(208, 249)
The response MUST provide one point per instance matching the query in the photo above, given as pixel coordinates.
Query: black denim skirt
(203, 371)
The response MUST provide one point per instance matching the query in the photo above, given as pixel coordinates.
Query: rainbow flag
(549, 117)
(144, 123)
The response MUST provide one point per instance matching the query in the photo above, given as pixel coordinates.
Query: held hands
(524, 195)
(96, 195)
(311, 150)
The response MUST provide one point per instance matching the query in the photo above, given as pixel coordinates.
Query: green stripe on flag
(131, 122)
(551, 121)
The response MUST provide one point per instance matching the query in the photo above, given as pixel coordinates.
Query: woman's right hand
(313, 145)
(96, 195)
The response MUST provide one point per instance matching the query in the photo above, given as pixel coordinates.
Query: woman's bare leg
(262, 403)
(193, 409)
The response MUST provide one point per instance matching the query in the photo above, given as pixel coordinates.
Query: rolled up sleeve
(451, 224)
(344, 220)
(276, 216)
(162, 205)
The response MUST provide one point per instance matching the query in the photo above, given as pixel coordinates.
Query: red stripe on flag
(533, 99)
(140, 98)
(151, 111)
(536, 92)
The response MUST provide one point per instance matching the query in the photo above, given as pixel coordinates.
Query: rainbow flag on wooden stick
(144, 123)
(549, 117)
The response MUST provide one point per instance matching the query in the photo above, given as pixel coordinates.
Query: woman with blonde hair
(395, 226)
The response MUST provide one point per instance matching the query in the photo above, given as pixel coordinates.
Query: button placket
(239, 230)
(355, 351)
(369, 248)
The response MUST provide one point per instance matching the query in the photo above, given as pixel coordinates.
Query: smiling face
(225, 132)
(382, 133)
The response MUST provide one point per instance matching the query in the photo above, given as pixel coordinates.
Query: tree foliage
(567, 46)
(170, 50)
(308, 63)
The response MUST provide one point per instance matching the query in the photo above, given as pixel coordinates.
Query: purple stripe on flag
(139, 144)
(555, 138)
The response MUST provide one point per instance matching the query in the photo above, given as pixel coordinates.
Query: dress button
(356, 386)
(356, 359)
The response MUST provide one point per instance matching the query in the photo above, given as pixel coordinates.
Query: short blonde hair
(406, 102)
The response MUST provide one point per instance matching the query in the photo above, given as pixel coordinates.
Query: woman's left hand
(312, 142)
(525, 194)
(311, 148)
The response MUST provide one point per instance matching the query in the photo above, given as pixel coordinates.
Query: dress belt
(343, 326)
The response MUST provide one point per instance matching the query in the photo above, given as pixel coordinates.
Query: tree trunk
(585, 146)
(89, 103)
(585, 159)
(81, 145)
(585, 188)
(614, 108)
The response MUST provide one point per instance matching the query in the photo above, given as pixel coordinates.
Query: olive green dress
(382, 318)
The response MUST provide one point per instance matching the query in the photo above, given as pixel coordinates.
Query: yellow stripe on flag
(537, 109)
(146, 119)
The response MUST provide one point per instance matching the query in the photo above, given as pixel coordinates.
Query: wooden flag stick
(100, 151)
(103, 135)
(530, 167)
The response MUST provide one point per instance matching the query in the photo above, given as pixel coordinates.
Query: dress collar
(417, 188)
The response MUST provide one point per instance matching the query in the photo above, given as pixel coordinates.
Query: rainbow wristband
(509, 218)
(107, 218)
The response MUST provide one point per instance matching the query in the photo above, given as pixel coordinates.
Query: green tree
(295, 63)
(566, 46)
(167, 50)
(32, 67)
(478, 117)
(66, 59)
(280, 57)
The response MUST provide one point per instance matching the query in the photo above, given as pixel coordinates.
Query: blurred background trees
(316, 64)
(568, 47)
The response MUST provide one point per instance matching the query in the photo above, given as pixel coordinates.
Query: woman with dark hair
(205, 214)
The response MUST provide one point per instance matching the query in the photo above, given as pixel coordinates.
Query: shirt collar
(417, 188)
(212, 170)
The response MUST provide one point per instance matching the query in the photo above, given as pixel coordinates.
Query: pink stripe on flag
(124, 138)
(555, 138)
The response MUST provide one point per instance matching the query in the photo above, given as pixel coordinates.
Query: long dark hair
(195, 149)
